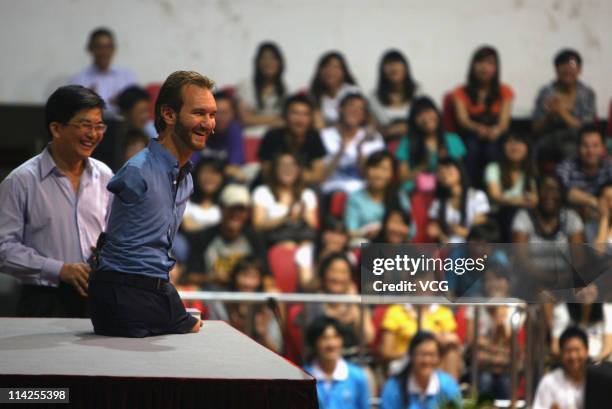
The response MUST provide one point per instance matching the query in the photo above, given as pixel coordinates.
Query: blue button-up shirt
(44, 223)
(151, 193)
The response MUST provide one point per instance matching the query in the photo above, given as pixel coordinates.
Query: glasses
(89, 127)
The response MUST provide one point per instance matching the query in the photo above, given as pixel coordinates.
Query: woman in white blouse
(348, 145)
(283, 208)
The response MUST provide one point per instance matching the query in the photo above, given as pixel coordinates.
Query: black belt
(132, 280)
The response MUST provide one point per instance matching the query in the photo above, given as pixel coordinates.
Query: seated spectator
(101, 76)
(421, 385)
(510, 182)
(552, 226)
(365, 208)
(397, 227)
(425, 144)
(336, 277)
(214, 251)
(134, 105)
(297, 137)
(247, 276)
(563, 388)
(391, 100)
(457, 206)
(202, 209)
(400, 324)
(331, 83)
(261, 98)
(348, 144)
(340, 384)
(604, 232)
(585, 175)
(493, 346)
(593, 317)
(283, 209)
(226, 144)
(483, 108)
(332, 238)
(561, 108)
(135, 141)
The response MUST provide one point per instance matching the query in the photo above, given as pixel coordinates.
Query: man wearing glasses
(54, 206)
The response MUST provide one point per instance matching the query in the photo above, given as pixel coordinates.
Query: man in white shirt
(101, 76)
(563, 388)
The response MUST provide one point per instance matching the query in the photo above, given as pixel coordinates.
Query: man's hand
(77, 275)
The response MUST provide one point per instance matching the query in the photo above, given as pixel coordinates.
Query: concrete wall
(42, 41)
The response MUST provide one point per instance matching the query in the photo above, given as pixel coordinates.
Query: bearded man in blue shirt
(130, 293)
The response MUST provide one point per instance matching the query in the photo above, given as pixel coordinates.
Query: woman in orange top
(483, 108)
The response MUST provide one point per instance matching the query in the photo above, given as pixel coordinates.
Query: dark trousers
(61, 302)
(480, 153)
(119, 309)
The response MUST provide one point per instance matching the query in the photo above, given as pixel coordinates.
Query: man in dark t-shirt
(297, 137)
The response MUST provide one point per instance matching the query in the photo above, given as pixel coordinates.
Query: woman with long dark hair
(457, 206)
(425, 144)
(331, 82)
(511, 181)
(421, 385)
(283, 208)
(483, 108)
(394, 93)
(202, 209)
(261, 99)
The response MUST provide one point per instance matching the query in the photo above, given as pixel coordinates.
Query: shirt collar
(163, 154)
(340, 372)
(94, 70)
(47, 164)
(433, 387)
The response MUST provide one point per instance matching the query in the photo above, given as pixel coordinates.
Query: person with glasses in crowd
(54, 206)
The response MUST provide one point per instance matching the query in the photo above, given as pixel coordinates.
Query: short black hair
(316, 329)
(566, 55)
(297, 99)
(571, 333)
(487, 232)
(130, 96)
(587, 128)
(99, 32)
(66, 101)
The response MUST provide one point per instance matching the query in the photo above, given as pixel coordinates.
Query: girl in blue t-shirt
(421, 385)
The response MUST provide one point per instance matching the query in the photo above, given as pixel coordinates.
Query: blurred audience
(425, 144)
(331, 83)
(391, 100)
(483, 108)
(340, 384)
(203, 209)
(421, 385)
(298, 137)
(457, 206)
(106, 79)
(348, 144)
(261, 98)
(561, 108)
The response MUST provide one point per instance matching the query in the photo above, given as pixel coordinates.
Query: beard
(184, 134)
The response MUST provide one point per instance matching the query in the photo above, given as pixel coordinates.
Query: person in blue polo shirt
(420, 385)
(340, 384)
(130, 294)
